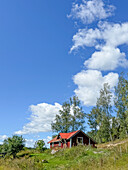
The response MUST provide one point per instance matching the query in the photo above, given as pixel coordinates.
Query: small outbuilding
(67, 140)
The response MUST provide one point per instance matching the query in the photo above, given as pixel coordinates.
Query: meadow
(106, 156)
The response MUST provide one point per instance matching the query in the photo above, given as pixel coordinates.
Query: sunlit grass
(76, 158)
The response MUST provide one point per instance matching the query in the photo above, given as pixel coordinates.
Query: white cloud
(108, 58)
(106, 39)
(42, 116)
(90, 83)
(85, 37)
(2, 138)
(47, 140)
(91, 10)
(29, 142)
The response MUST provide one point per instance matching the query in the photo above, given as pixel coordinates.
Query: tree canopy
(121, 104)
(106, 126)
(70, 118)
(13, 145)
(40, 145)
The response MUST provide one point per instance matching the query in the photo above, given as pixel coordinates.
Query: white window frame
(80, 138)
(52, 144)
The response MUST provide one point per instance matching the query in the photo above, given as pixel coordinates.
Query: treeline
(12, 145)
(108, 120)
(104, 126)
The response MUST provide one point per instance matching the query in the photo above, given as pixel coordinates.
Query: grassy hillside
(107, 156)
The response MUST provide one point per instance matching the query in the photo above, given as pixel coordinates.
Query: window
(80, 140)
(52, 144)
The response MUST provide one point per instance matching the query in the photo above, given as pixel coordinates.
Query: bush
(40, 145)
(13, 145)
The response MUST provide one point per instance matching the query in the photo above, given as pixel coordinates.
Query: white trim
(70, 142)
(52, 144)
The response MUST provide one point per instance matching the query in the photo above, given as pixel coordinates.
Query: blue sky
(37, 68)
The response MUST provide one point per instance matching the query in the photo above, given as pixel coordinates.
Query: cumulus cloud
(42, 116)
(108, 58)
(91, 10)
(31, 142)
(46, 140)
(106, 39)
(2, 138)
(90, 83)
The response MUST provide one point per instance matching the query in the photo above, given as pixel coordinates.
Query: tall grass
(76, 158)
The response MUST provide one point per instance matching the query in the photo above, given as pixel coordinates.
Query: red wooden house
(64, 140)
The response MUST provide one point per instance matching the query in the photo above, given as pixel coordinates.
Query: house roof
(54, 140)
(67, 136)
(63, 136)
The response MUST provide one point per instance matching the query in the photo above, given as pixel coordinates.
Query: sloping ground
(113, 144)
(108, 156)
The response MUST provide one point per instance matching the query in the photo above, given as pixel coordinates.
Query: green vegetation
(70, 118)
(121, 104)
(111, 156)
(104, 126)
(111, 132)
(12, 146)
(40, 145)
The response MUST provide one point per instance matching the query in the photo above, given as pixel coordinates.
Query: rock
(97, 152)
(54, 151)
(44, 161)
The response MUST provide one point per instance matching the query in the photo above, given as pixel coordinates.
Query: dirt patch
(110, 145)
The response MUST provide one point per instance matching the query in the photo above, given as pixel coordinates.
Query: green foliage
(62, 120)
(40, 145)
(0, 148)
(80, 158)
(78, 116)
(104, 126)
(93, 117)
(70, 117)
(13, 145)
(99, 119)
(115, 128)
(121, 104)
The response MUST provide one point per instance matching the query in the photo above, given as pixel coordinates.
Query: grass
(76, 158)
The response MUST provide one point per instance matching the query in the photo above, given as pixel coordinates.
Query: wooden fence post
(126, 147)
(120, 151)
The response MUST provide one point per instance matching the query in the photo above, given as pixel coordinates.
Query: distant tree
(13, 145)
(93, 122)
(77, 114)
(115, 128)
(105, 117)
(104, 126)
(121, 104)
(70, 117)
(99, 119)
(40, 145)
(0, 148)
(62, 121)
